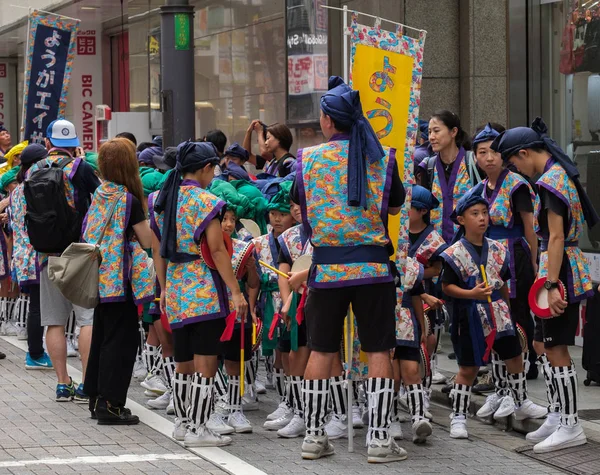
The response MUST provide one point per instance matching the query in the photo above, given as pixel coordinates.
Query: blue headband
(422, 198)
(474, 196)
(487, 134)
(424, 129)
(236, 150)
(343, 105)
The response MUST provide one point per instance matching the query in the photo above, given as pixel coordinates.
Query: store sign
(307, 60)
(182, 31)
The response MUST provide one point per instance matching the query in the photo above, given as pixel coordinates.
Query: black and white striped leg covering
(499, 375)
(201, 401)
(280, 383)
(380, 394)
(518, 387)
(234, 398)
(416, 401)
(565, 381)
(221, 383)
(149, 354)
(21, 310)
(10, 309)
(180, 395)
(3, 310)
(168, 370)
(316, 394)
(546, 370)
(461, 399)
(142, 334)
(289, 397)
(296, 393)
(339, 396)
(269, 360)
(157, 368)
(250, 372)
(255, 361)
(395, 407)
(355, 396)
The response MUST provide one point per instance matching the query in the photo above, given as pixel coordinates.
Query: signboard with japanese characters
(52, 45)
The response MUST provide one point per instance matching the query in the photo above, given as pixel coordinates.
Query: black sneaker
(114, 415)
(485, 384)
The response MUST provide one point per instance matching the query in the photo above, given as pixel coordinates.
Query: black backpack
(52, 224)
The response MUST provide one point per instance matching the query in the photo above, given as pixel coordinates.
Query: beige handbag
(76, 271)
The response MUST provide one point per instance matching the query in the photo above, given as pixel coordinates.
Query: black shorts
(407, 353)
(507, 347)
(559, 330)
(374, 306)
(202, 338)
(231, 348)
(285, 344)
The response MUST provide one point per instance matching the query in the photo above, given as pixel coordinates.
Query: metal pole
(349, 354)
(345, 42)
(177, 71)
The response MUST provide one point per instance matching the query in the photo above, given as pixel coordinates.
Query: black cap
(168, 160)
(33, 153)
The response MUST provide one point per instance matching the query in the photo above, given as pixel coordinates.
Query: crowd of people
(202, 276)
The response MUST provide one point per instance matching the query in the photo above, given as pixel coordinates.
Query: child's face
(296, 212)
(488, 160)
(228, 223)
(415, 215)
(524, 163)
(475, 219)
(280, 221)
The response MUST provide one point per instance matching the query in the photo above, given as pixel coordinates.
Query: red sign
(2, 70)
(86, 45)
(307, 73)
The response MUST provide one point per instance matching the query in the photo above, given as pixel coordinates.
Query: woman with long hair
(126, 279)
(278, 142)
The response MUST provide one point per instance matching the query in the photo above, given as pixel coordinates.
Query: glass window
(138, 64)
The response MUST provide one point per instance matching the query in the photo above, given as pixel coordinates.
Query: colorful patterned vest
(408, 332)
(349, 242)
(194, 292)
(502, 228)
(240, 249)
(555, 180)
(24, 256)
(294, 243)
(448, 193)
(484, 327)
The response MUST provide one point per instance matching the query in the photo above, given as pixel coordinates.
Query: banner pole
(349, 355)
(345, 42)
(26, 78)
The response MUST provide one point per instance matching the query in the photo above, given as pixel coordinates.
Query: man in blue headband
(346, 187)
(560, 217)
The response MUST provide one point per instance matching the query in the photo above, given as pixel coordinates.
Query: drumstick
(485, 281)
(242, 356)
(253, 333)
(277, 271)
(492, 336)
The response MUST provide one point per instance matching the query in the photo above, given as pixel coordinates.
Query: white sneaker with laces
(161, 402)
(530, 410)
(562, 438)
(269, 384)
(260, 388)
(180, 429)
(21, 333)
(295, 428)
(149, 393)
(546, 429)
(492, 403)
(280, 411)
(426, 403)
(438, 378)
(71, 351)
(395, 430)
(281, 422)
(506, 408)
(139, 369)
(357, 420)
(155, 384)
(458, 427)
(421, 430)
(221, 406)
(171, 406)
(315, 447)
(216, 423)
(204, 437)
(381, 451)
(239, 422)
(249, 403)
(337, 428)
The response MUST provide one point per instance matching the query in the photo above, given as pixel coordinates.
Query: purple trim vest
(408, 332)
(24, 256)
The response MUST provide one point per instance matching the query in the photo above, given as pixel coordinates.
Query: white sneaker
(337, 428)
(281, 422)
(10, 328)
(530, 410)
(222, 407)
(421, 430)
(280, 411)
(380, 451)
(357, 420)
(314, 447)
(161, 402)
(438, 378)
(180, 429)
(546, 429)
(139, 369)
(238, 421)
(395, 430)
(506, 408)
(249, 403)
(260, 388)
(21, 333)
(458, 428)
(204, 437)
(71, 351)
(492, 403)
(216, 423)
(149, 393)
(562, 438)
(171, 406)
(426, 403)
(155, 384)
(295, 428)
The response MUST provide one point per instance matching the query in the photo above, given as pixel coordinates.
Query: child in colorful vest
(559, 217)
(475, 275)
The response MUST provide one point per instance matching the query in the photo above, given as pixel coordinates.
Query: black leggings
(35, 330)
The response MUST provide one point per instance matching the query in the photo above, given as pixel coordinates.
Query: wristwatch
(549, 285)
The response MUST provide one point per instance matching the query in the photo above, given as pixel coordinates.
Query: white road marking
(127, 458)
(215, 455)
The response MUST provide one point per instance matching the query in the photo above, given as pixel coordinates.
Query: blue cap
(61, 133)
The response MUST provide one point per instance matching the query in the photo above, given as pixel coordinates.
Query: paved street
(41, 436)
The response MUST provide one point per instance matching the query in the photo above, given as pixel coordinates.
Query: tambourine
(205, 253)
(522, 338)
(427, 324)
(251, 227)
(538, 298)
(424, 363)
(301, 264)
(259, 327)
(245, 252)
